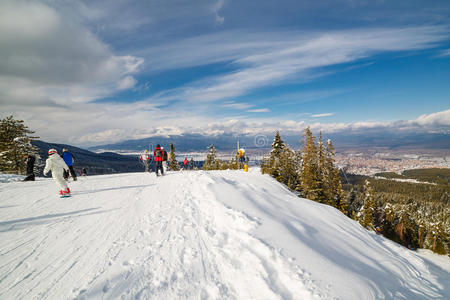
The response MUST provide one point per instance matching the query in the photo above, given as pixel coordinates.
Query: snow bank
(197, 235)
(4, 178)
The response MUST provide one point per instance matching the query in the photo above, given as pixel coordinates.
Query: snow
(10, 177)
(197, 235)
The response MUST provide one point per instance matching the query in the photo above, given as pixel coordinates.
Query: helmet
(162, 147)
(65, 150)
(52, 151)
(158, 146)
(145, 150)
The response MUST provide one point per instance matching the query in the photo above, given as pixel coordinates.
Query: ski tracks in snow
(158, 238)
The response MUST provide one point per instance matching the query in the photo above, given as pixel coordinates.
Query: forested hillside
(411, 213)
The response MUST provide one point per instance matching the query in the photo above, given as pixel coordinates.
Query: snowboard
(65, 196)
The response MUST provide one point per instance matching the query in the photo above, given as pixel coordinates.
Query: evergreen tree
(211, 162)
(271, 164)
(368, 210)
(15, 143)
(173, 163)
(311, 181)
(233, 163)
(288, 168)
(333, 179)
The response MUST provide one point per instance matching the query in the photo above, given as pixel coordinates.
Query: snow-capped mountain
(197, 235)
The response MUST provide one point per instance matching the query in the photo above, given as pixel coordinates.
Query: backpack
(165, 155)
(158, 153)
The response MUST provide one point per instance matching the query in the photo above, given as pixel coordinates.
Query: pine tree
(173, 163)
(367, 211)
(211, 162)
(15, 143)
(271, 164)
(333, 179)
(312, 185)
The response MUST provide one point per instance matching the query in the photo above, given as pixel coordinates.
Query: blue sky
(93, 72)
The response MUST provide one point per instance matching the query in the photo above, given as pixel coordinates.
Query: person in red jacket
(185, 162)
(159, 155)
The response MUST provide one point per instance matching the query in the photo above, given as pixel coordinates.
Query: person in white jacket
(57, 165)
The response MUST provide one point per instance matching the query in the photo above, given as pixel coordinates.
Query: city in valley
(372, 162)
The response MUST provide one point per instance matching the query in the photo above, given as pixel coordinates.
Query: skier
(30, 167)
(165, 159)
(185, 162)
(145, 159)
(57, 165)
(68, 159)
(158, 154)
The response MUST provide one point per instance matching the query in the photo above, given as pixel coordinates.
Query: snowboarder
(158, 154)
(185, 162)
(57, 165)
(30, 167)
(144, 158)
(83, 172)
(68, 159)
(165, 159)
(191, 164)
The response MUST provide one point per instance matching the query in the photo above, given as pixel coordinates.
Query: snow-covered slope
(197, 235)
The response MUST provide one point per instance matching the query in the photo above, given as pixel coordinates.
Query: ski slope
(197, 235)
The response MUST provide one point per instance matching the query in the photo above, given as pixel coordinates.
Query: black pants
(30, 177)
(158, 166)
(72, 172)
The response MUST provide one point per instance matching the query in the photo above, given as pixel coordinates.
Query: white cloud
(60, 60)
(236, 105)
(441, 118)
(444, 53)
(141, 121)
(126, 83)
(259, 110)
(322, 115)
(289, 56)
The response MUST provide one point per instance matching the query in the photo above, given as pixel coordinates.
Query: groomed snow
(197, 235)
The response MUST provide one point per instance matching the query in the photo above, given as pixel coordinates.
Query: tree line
(311, 172)
(412, 214)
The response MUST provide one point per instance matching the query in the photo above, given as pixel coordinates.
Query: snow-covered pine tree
(173, 163)
(15, 143)
(211, 162)
(271, 164)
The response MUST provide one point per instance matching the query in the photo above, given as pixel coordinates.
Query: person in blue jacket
(68, 159)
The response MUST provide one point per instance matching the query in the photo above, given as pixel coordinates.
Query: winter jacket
(30, 164)
(158, 154)
(185, 161)
(68, 158)
(57, 165)
(165, 155)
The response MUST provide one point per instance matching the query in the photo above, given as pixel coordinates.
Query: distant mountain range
(103, 163)
(108, 162)
(225, 142)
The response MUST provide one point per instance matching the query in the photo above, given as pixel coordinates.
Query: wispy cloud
(236, 105)
(444, 53)
(259, 110)
(322, 115)
(291, 56)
